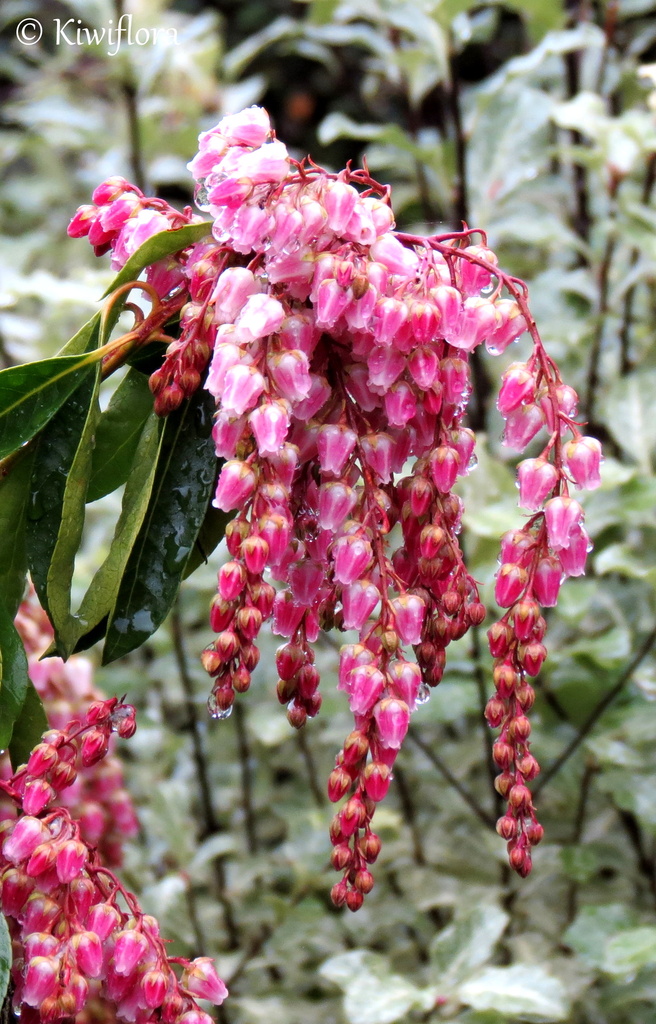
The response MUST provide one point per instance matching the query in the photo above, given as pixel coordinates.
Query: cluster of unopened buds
(81, 941)
(339, 363)
(97, 799)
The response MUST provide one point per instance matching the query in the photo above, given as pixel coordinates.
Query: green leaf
(13, 679)
(629, 412)
(372, 993)
(101, 595)
(5, 958)
(593, 926)
(118, 433)
(69, 536)
(211, 534)
(54, 456)
(522, 991)
(31, 394)
(629, 951)
(156, 248)
(181, 492)
(14, 499)
(28, 728)
(457, 951)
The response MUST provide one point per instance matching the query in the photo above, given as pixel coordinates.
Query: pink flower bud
(358, 602)
(444, 467)
(195, 1017)
(88, 953)
(202, 980)
(547, 580)
(38, 913)
(71, 858)
(478, 320)
(286, 614)
(510, 584)
(400, 404)
(236, 485)
(130, 948)
(511, 325)
(352, 557)
(392, 720)
(409, 611)
(154, 985)
(24, 838)
(42, 759)
(377, 777)
(16, 888)
(583, 460)
(42, 859)
(537, 478)
(454, 373)
(424, 367)
(84, 217)
(40, 979)
(563, 516)
(365, 685)
(38, 794)
(517, 388)
(102, 919)
(95, 745)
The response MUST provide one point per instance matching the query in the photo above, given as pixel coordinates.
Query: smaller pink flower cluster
(74, 943)
(535, 560)
(97, 798)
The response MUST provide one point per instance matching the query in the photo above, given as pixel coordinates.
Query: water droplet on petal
(473, 463)
(216, 711)
(423, 694)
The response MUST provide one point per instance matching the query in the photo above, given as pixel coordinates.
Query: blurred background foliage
(534, 120)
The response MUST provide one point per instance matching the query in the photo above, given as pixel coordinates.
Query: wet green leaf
(181, 492)
(13, 679)
(117, 434)
(5, 958)
(457, 951)
(211, 533)
(14, 498)
(593, 926)
(156, 248)
(522, 991)
(101, 595)
(28, 727)
(373, 994)
(629, 951)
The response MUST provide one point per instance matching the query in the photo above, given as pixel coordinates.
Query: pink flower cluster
(97, 798)
(79, 937)
(340, 370)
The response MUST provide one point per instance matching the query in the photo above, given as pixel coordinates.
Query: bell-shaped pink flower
(406, 680)
(270, 423)
(305, 579)
(400, 404)
(102, 919)
(154, 985)
(378, 451)
(269, 163)
(202, 980)
(40, 979)
(358, 602)
(424, 367)
(287, 614)
(236, 485)
(449, 305)
(276, 531)
(409, 611)
(352, 656)
(88, 953)
(38, 794)
(249, 127)
(392, 719)
(226, 433)
(71, 858)
(335, 444)
(574, 557)
(537, 479)
(352, 557)
(260, 316)
(562, 515)
(478, 320)
(511, 324)
(130, 948)
(454, 373)
(583, 460)
(335, 503)
(393, 254)
(291, 374)
(365, 685)
(242, 387)
(444, 467)
(390, 317)
(522, 425)
(547, 581)
(232, 290)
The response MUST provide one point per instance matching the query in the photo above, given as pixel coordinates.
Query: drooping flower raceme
(338, 355)
(80, 938)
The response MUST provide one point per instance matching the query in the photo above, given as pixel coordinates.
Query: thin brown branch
(244, 751)
(444, 770)
(410, 814)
